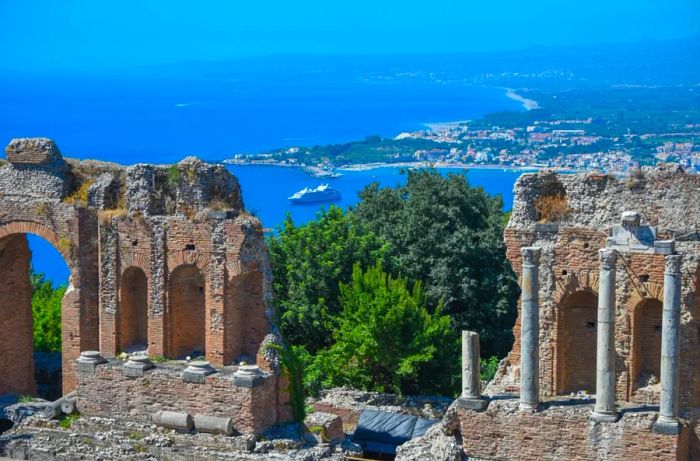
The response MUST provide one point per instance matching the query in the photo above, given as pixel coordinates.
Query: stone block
(326, 425)
(178, 420)
(32, 151)
(479, 404)
(213, 424)
(136, 365)
(248, 376)
(197, 371)
(88, 361)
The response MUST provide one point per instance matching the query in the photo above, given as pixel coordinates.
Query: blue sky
(70, 34)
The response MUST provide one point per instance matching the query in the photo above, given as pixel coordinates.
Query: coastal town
(526, 142)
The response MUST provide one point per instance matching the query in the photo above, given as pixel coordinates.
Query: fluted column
(667, 422)
(605, 348)
(529, 330)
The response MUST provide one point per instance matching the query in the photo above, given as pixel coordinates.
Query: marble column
(471, 368)
(529, 330)
(667, 422)
(605, 348)
(471, 373)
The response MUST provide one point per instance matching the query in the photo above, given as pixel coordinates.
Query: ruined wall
(571, 223)
(562, 431)
(111, 222)
(109, 392)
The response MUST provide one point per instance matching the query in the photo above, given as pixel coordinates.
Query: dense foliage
(386, 339)
(375, 297)
(308, 263)
(449, 235)
(46, 309)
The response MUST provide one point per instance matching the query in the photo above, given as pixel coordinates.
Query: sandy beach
(528, 104)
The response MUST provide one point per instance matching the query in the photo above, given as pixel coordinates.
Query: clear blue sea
(161, 119)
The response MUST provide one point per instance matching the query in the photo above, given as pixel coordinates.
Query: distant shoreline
(373, 166)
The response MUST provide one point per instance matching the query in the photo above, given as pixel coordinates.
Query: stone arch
(16, 327)
(646, 348)
(576, 342)
(244, 312)
(133, 310)
(187, 306)
(62, 244)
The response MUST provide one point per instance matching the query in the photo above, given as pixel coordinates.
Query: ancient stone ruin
(165, 265)
(607, 341)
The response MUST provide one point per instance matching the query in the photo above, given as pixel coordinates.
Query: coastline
(373, 166)
(528, 104)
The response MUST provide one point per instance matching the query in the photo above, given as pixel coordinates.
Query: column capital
(608, 258)
(530, 255)
(673, 264)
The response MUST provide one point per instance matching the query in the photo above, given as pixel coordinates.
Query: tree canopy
(449, 235)
(308, 263)
(386, 339)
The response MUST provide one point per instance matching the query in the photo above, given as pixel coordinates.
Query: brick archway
(576, 342)
(16, 328)
(186, 314)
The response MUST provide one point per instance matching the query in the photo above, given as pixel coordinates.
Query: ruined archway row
(162, 258)
(642, 226)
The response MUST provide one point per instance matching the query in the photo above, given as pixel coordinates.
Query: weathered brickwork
(570, 218)
(252, 409)
(161, 258)
(563, 432)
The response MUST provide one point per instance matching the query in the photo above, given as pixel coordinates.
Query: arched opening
(647, 344)
(33, 281)
(133, 311)
(187, 302)
(244, 317)
(576, 343)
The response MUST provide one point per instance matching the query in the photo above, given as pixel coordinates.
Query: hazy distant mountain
(651, 62)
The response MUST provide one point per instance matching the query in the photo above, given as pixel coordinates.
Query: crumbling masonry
(163, 261)
(610, 308)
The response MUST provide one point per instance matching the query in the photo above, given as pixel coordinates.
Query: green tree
(46, 309)
(449, 235)
(387, 340)
(308, 263)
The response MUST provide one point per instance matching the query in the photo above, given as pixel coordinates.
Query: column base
(666, 426)
(529, 407)
(475, 404)
(605, 417)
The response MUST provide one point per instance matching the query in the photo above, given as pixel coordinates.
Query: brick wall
(107, 393)
(563, 431)
(16, 339)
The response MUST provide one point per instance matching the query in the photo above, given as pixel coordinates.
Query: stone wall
(563, 431)
(593, 204)
(108, 392)
(125, 234)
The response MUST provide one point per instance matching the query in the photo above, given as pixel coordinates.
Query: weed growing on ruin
(80, 196)
(67, 421)
(42, 209)
(64, 245)
(174, 176)
(552, 208)
(106, 216)
(136, 435)
(292, 366)
(26, 399)
(158, 359)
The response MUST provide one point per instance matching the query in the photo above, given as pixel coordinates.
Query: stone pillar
(530, 330)
(667, 422)
(471, 373)
(605, 363)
